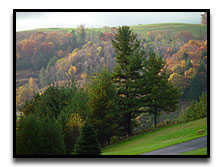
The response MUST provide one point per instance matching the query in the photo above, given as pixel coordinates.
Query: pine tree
(74, 39)
(185, 56)
(39, 135)
(103, 105)
(158, 93)
(87, 143)
(201, 67)
(51, 63)
(42, 77)
(81, 31)
(128, 74)
(198, 85)
(188, 64)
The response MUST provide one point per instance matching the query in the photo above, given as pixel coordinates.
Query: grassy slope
(57, 29)
(201, 151)
(142, 29)
(175, 27)
(158, 139)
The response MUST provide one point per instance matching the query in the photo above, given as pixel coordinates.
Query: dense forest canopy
(54, 55)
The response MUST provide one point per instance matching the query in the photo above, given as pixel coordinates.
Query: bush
(87, 143)
(38, 135)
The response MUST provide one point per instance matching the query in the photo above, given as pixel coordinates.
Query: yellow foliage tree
(32, 84)
(60, 53)
(183, 65)
(72, 55)
(75, 120)
(176, 79)
(72, 130)
(83, 75)
(189, 73)
(71, 71)
(23, 94)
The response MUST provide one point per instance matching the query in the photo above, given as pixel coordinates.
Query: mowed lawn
(158, 139)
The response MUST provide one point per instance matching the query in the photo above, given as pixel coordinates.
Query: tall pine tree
(103, 105)
(158, 93)
(127, 75)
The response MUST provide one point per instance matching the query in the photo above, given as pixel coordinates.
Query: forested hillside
(53, 55)
(71, 75)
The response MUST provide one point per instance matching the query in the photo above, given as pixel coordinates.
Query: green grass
(158, 139)
(66, 30)
(201, 151)
(175, 27)
(143, 29)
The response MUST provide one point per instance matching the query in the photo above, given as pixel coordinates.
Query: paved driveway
(181, 148)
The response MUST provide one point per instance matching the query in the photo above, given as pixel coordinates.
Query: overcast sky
(32, 20)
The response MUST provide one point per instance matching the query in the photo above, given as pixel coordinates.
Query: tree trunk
(129, 133)
(155, 119)
(129, 128)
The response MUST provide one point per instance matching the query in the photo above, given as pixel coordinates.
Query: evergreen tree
(103, 105)
(196, 110)
(185, 56)
(39, 135)
(74, 40)
(188, 64)
(51, 63)
(158, 93)
(198, 85)
(42, 77)
(201, 67)
(87, 143)
(127, 74)
(81, 31)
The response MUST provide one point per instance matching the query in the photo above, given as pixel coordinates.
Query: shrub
(38, 135)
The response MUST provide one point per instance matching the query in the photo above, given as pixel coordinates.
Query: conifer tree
(103, 105)
(188, 64)
(81, 31)
(197, 86)
(74, 39)
(158, 93)
(127, 74)
(42, 77)
(87, 143)
(39, 135)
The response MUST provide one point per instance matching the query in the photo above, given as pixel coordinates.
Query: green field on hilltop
(143, 29)
(160, 138)
(174, 27)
